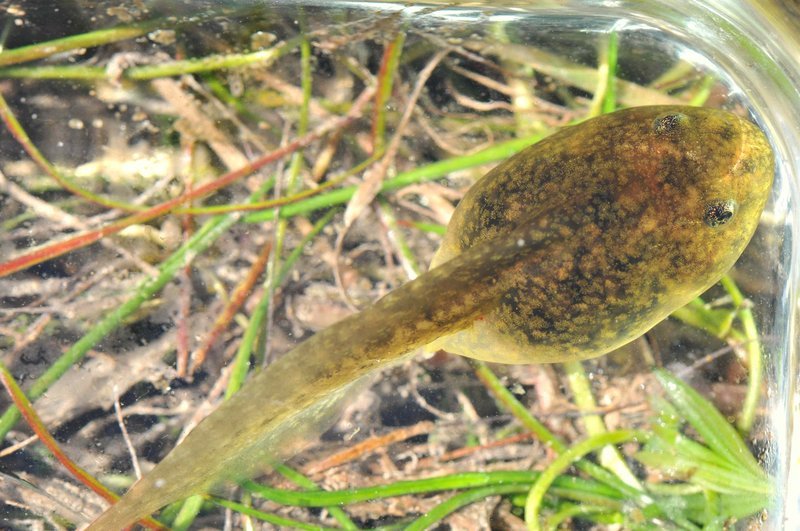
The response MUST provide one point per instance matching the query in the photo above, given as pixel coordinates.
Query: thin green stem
(611, 57)
(255, 325)
(717, 322)
(300, 480)
(752, 345)
(569, 510)
(593, 423)
(605, 94)
(320, 224)
(400, 488)
(561, 463)
(100, 37)
(190, 508)
(386, 75)
(711, 425)
(703, 91)
(460, 500)
(73, 42)
(292, 186)
(499, 151)
(508, 400)
(154, 71)
(433, 228)
(280, 521)
(569, 487)
(407, 257)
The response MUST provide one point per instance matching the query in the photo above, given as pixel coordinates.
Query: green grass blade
(280, 521)
(399, 488)
(717, 433)
(425, 173)
(564, 461)
(460, 500)
(190, 508)
(300, 480)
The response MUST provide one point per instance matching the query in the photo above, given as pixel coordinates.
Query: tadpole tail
(280, 403)
(269, 423)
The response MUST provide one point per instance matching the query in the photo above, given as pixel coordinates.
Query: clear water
(511, 71)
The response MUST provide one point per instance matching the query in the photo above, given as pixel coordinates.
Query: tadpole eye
(669, 123)
(719, 212)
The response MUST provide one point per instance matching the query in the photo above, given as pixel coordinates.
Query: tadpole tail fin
(237, 439)
(282, 402)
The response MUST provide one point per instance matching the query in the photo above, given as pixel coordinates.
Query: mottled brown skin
(567, 250)
(626, 208)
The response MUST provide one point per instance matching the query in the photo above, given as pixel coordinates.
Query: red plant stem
(185, 300)
(383, 73)
(236, 301)
(22, 138)
(51, 251)
(36, 424)
(182, 338)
